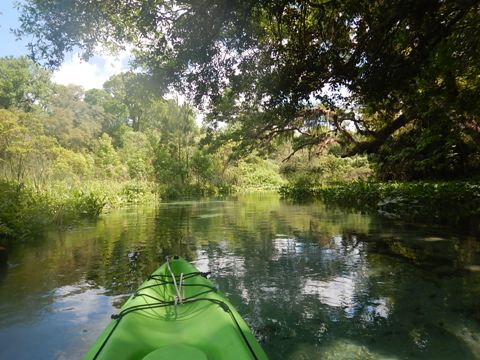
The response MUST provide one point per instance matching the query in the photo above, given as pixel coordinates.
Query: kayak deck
(177, 311)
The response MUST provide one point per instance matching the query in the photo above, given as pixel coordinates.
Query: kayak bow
(177, 313)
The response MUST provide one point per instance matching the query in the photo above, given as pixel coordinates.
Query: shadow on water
(311, 281)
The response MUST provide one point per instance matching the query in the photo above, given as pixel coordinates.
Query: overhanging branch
(380, 137)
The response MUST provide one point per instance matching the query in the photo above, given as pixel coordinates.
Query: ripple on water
(313, 282)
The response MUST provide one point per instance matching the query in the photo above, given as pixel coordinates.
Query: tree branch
(380, 137)
(342, 129)
(303, 145)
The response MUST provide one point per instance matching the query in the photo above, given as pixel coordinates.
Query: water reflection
(312, 282)
(60, 328)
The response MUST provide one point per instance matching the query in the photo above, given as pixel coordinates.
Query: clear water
(312, 282)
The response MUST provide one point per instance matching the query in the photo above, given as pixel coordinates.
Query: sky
(91, 74)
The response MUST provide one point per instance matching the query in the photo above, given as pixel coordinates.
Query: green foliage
(18, 215)
(325, 168)
(136, 153)
(25, 152)
(134, 95)
(88, 204)
(404, 76)
(115, 110)
(177, 143)
(23, 84)
(113, 194)
(303, 188)
(255, 173)
(72, 121)
(84, 152)
(203, 166)
(25, 212)
(72, 165)
(106, 159)
(135, 192)
(426, 201)
(441, 151)
(170, 173)
(123, 132)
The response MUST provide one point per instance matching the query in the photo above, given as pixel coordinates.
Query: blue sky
(9, 19)
(91, 74)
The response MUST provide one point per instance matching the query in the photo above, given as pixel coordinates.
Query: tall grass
(25, 211)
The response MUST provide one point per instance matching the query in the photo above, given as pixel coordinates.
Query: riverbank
(451, 202)
(25, 211)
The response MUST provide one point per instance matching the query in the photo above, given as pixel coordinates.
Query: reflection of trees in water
(173, 235)
(129, 256)
(308, 279)
(312, 277)
(318, 288)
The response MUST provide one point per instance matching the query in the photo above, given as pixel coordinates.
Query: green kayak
(177, 313)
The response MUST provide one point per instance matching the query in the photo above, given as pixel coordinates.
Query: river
(312, 281)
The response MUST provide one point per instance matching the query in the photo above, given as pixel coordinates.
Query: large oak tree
(398, 78)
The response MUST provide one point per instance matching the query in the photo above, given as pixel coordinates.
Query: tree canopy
(123, 132)
(23, 85)
(379, 75)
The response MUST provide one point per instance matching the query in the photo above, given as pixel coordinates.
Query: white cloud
(91, 74)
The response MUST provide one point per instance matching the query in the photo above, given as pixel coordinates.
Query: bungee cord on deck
(179, 300)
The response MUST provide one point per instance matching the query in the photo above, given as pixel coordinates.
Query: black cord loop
(161, 303)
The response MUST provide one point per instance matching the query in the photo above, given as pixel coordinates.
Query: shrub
(450, 201)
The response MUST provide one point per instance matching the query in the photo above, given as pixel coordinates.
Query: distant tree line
(124, 131)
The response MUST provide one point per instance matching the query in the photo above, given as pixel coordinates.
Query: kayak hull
(177, 311)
